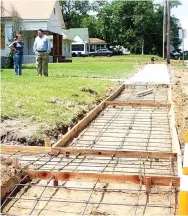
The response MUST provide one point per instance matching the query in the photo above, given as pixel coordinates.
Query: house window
(87, 47)
(54, 10)
(66, 47)
(98, 46)
(77, 47)
(2, 36)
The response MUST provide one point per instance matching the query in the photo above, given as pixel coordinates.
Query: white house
(67, 47)
(80, 40)
(34, 15)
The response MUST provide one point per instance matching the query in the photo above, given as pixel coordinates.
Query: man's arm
(35, 46)
(49, 45)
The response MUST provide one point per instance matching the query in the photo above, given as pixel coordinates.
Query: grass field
(58, 99)
(51, 100)
(114, 67)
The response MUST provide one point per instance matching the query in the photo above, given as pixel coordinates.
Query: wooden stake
(55, 182)
(47, 142)
(148, 184)
(15, 163)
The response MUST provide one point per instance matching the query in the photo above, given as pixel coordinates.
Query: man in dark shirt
(18, 46)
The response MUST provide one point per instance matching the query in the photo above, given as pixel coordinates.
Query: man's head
(40, 32)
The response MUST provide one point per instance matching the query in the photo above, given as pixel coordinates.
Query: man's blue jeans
(18, 60)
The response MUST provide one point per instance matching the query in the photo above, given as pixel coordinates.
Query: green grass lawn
(50, 100)
(55, 99)
(114, 67)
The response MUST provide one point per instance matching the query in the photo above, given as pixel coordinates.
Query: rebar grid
(159, 94)
(128, 128)
(40, 197)
(89, 163)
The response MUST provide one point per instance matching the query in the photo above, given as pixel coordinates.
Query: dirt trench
(96, 198)
(180, 98)
(20, 131)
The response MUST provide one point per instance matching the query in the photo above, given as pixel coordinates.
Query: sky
(181, 12)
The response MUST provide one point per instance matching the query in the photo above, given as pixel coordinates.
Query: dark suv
(101, 52)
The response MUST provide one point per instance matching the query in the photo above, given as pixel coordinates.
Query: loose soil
(180, 98)
(66, 195)
(29, 132)
(7, 169)
(21, 132)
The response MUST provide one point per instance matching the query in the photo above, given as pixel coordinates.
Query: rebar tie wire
(38, 198)
(87, 202)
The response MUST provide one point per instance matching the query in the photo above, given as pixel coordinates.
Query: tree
(74, 11)
(17, 26)
(91, 22)
(136, 25)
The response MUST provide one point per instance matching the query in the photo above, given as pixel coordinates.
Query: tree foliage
(137, 25)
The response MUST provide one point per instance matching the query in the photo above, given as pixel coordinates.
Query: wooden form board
(69, 150)
(85, 121)
(174, 135)
(68, 176)
(136, 104)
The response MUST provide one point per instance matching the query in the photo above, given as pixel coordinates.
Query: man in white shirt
(42, 48)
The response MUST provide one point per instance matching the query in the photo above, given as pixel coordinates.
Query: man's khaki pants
(42, 63)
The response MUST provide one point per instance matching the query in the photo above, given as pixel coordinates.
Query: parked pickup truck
(101, 52)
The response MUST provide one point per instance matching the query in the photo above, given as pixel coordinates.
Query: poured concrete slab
(151, 74)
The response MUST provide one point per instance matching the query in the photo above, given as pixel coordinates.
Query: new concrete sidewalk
(151, 74)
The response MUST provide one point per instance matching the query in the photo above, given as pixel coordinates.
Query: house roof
(29, 9)
(83, 33)
(96, 41)
(65, 37)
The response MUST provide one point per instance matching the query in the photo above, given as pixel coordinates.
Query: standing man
(42, 48)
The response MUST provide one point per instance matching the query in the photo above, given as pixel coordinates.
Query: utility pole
(168, 31)
(164, 29)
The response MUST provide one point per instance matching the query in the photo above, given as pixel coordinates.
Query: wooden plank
(67, 176)
(135, 104)
(116, 93)
(81, 125)
(24, 149)
(85, 121)
(145, 92)
(173, 131)
(94, 152)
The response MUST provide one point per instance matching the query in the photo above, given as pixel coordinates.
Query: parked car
(126, 51)
(175, 55)
(185, 55)
(101, 52)
(119, 50)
